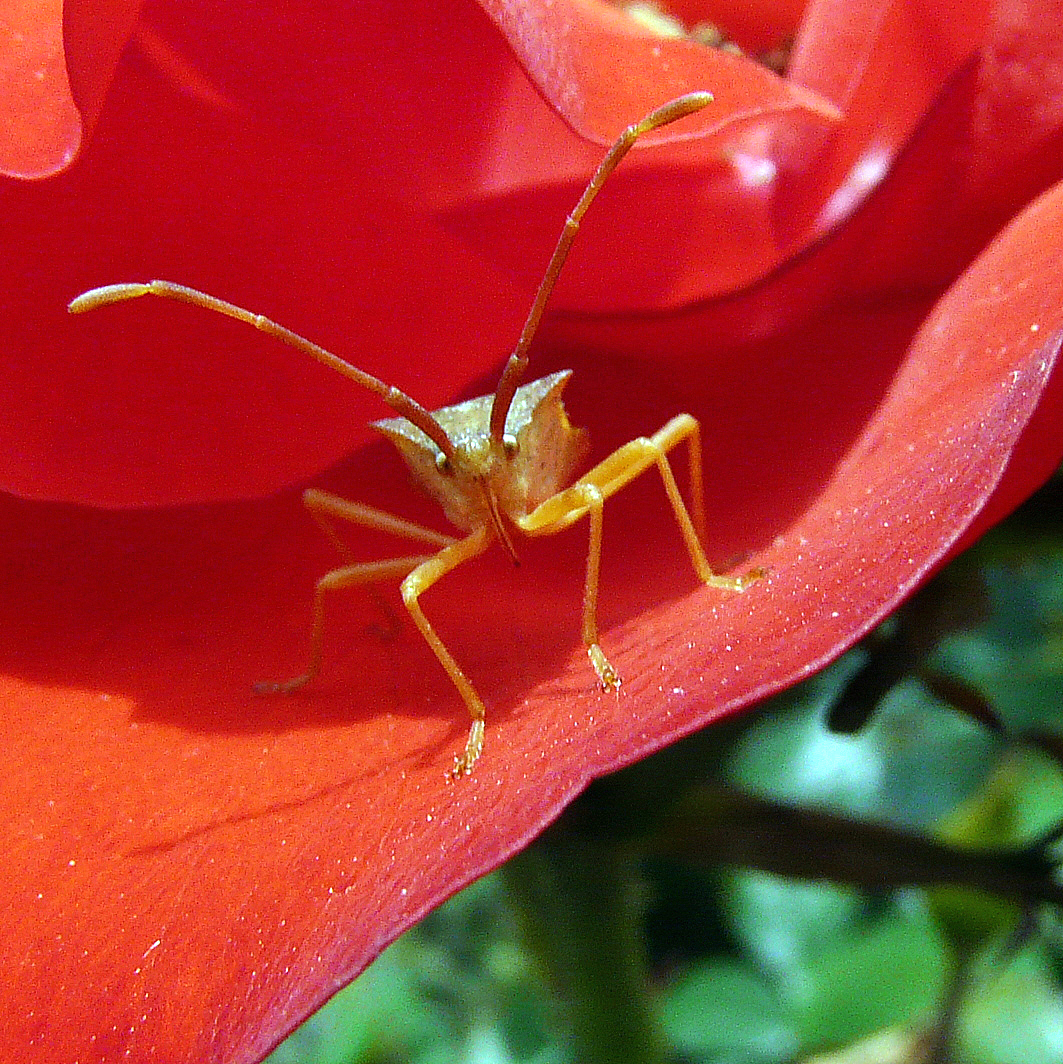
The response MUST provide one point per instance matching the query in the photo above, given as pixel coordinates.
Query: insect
(498, 465)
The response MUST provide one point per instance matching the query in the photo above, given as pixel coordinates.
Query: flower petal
(882, 62)
(167, 829)
(40, 130)
(656, 239)
(151, 404)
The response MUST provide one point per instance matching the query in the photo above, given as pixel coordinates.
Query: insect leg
(587, 498)
(594, 501)
(418, 581)
(683, 426)
(584, 498)
(621, 468)
(337, 580)
(324, 508)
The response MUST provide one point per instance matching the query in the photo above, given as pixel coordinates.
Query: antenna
(398, 400)
(518, 361)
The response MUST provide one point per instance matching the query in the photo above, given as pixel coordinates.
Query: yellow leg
(587, 497)
(337, 580)
(684, 426)
(694, 477)
(594, 502)
(324, 508)
(422, 578)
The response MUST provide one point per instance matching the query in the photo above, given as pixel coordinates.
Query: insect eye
(509, 445)
(443, 464)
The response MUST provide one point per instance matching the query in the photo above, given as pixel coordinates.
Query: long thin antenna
(398, 400)
(518, 361)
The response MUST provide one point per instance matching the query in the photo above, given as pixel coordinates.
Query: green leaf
(888, 973)
(727, 1013)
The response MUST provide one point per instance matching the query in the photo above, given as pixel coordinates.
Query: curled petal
(56, 64)
(40, 129)
(883, 63)
(598, 67)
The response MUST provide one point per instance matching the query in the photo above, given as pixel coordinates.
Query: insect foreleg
(587, 498)
(422, 578)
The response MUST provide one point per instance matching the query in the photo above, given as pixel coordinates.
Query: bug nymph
(497, 464)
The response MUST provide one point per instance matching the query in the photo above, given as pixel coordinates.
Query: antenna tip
(695, 101)
(101, 297)
(680, 107)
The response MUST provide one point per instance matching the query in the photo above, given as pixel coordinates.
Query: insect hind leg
(326, 508)
(337, 580)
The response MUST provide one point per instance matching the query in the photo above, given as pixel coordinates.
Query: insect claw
(463, 764)
(607, 675)
(736, 583)
(750, 578)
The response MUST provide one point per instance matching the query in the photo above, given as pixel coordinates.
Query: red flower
(190, 870)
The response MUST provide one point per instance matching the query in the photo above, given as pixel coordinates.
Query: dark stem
(575, 901)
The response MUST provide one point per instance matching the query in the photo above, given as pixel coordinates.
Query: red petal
(40, 129)
(95, 33)
(141, 405)
(858, 56)
(210, 166)
(755, 25)
(656, 239)
(56, 63)
(599, 67)
(1020, 90)
(191, 870)
(118, 419)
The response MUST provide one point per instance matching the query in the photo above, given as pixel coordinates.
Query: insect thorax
(548, 452)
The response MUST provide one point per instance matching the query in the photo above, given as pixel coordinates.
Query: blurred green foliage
(953, 732)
